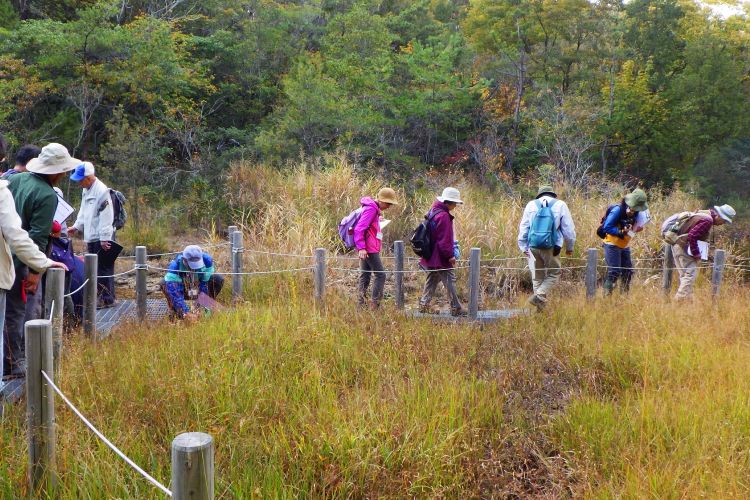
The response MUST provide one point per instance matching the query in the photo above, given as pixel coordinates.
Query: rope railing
(77, 289)
(104, 439)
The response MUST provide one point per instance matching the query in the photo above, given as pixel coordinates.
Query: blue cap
(82, 171)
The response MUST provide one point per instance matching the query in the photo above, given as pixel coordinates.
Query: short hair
(26, 154)
(3, 146)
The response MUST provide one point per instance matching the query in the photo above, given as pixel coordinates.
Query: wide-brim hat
(450, 195)
(54, 159)
(546, 190)
(726, 212)
(387, 195)
(637, 200)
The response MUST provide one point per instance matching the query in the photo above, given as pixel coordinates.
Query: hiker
(621, 223)
(190, 274)
(95, 220)
(35, 203)
(368, 239)
(684, 231)
(23, 157)
(442, 260)
(546, 224)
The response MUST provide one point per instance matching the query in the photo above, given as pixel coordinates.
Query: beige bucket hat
(54, 159)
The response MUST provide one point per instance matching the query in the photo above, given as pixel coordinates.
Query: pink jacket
(367, 229)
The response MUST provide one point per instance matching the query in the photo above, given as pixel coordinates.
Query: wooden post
(90, 262)
(54, 301)
(141, 277)
(720, 258)
(237, 249)
(474, 267)
(592, 256)
(40, 408)
(230, 232)
(398, 252)
(193, 467)
(667, 269)
(319, 271)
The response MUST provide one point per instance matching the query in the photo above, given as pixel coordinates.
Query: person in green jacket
(35, 202)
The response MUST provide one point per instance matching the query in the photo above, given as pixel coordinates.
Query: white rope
(77, 289)
(250, 273)
(119, 274)
(405, 271)
(51, 310)
(279, 254)
(103, 438)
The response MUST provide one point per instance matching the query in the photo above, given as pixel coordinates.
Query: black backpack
(600, 230)
(421, 240)
(120, 215)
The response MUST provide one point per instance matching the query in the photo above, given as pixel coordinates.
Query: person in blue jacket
(189, 274)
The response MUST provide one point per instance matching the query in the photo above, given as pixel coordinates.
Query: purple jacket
(368, 227)
(442, 238)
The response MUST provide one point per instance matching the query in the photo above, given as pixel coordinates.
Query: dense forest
(165, 94)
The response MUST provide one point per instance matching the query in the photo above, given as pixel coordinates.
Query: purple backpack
(346, 227)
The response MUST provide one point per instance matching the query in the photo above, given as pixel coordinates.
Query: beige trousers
(687, 269)
(546, 271)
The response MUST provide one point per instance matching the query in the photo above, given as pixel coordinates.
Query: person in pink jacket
(368, 239)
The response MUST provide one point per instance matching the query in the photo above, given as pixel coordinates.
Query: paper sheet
(383, 223)
(63, 210)
(703, 247)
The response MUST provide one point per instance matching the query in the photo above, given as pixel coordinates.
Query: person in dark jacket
(190, 274)
(622, 222)
(23, 157)
(35, 202)
(440, 265)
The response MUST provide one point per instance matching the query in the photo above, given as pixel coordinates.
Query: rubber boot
(608, 286)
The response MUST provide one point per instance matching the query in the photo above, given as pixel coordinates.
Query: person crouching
(190, 274)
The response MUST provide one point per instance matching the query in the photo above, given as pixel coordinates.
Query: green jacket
(36, 203)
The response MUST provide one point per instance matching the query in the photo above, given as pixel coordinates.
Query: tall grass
(629, 396)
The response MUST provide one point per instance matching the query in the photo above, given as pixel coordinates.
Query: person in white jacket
(95, 221)
(14, 238)
(544, 260)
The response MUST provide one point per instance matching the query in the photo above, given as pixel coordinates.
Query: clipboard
(63, 210)
(107, 257)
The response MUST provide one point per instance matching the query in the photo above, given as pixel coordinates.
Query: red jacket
(441, 233)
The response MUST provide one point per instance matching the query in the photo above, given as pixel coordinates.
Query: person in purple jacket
(440, 265)
(368, 239)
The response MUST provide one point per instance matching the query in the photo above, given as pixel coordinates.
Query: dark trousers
(619, 265)
(14, 349)
(214, 285)
(105, 286)
(372, 265)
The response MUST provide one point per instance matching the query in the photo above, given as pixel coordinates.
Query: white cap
(450, 194)
(54, 159)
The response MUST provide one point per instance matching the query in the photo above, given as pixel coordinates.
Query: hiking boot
(608, 286)
(459, 311)
(538, 302)
(428, 309)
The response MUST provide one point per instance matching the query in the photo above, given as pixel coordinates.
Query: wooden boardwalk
(482, 316)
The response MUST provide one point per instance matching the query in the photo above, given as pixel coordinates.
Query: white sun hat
(54, 159)
(450, 194)
(726, 212)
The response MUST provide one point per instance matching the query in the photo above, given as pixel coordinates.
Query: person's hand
(362, 254)
(59, 265)
(32, 283)
(527, 253)
(569, 253)
(191, 317)
(106, 245)
(72, 231)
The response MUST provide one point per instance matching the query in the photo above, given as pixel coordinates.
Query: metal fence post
(54, 301)
(592, 256)
(237, 249)
(319, 271)
(141, 277)
(720, 258)
(230, 234)
(667, 269)
(193, 466)
(398, 252)
(40, 408)
(474, 268)
(90, 262)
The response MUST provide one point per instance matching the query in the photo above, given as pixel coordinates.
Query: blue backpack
(543, 233)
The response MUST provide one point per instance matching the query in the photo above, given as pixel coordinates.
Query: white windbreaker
(96, 217)
(13, 236)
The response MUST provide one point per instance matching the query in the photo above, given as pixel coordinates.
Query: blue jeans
(619, 265)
